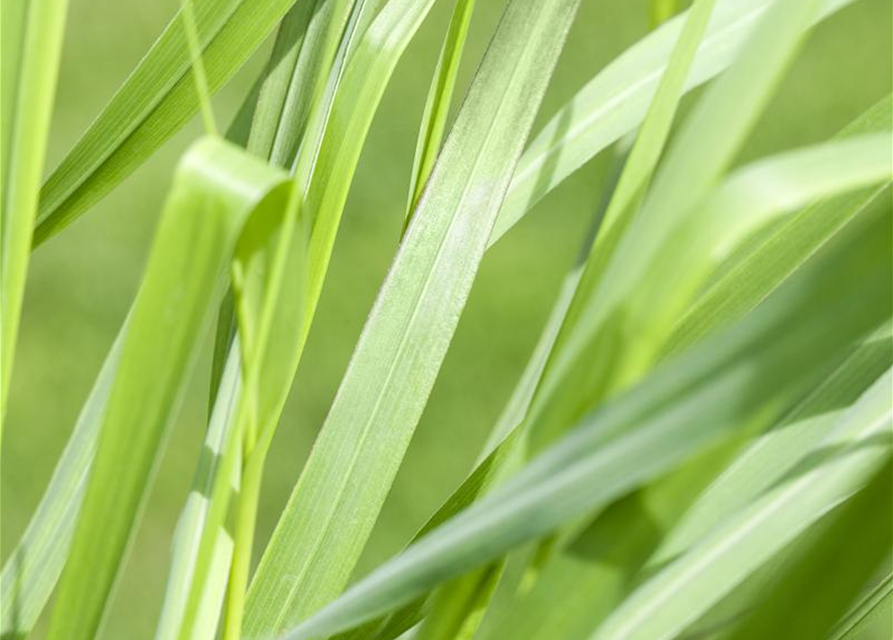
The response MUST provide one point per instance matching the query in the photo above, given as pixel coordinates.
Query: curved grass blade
(216, 190)
(616, 100)
(156, 100)
(840, 465)
(752, 276)
(713, 389)
(396, 361)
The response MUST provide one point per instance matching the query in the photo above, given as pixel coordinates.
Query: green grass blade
(26, 120)
(597, 569)
(756, 194)
(300, 66)
(33, 567)
(865, 610)
(858, 446)
(437, 106)
(156, 100)
(616, 100)
(216, 189)
(410, 326)
(749, 278)
(867, 532)
(201, 546)
(713, 389)
(620, 321)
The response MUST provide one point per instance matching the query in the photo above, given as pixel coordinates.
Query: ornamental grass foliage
(699, 445)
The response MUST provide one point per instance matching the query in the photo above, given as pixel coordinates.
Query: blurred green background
(81, 283)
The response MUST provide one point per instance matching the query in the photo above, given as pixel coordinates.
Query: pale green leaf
(155, 101)
(840, 464)
(437, 106)
(217, 188)
(399, 353)
(715, 388)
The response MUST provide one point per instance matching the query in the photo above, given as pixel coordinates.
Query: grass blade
(437, 106)
(216, 190)
(410, 326)
(616, 100)
(156, 100)
(840, 465)
(866, 609)
(27, 106)
(714, 388)
(867, 532)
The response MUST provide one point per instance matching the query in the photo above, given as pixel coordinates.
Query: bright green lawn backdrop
(81, 283)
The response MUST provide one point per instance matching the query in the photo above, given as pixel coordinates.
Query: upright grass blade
(299, 68)
(715, 388)
(156, 101)
(396, 361)
(28, 91)
(437, 106)
(867, 538)
(840, 465)
(216, 190)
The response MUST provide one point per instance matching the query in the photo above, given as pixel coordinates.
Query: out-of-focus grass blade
(752, 276)
(713, 389)
(756, 193)
(865, 610)
(831, 567)
(31, 571)
(841, 464)
(620, 320)
(399, 353)
(621, 205)
(35, 33)
(616, 100)
(596, 570)
(154, 102)
(216, 189)
(437, 106)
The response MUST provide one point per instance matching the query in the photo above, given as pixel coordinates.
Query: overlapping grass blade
(856, 449)
(396, 361)
(622, 315)
(437, 106)
(217, 188)
(156, 101)
(616, 100)
(867, 532)
(748, 278)
(865, 610)
(598, 567)
(621, 205)
(713, 389)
